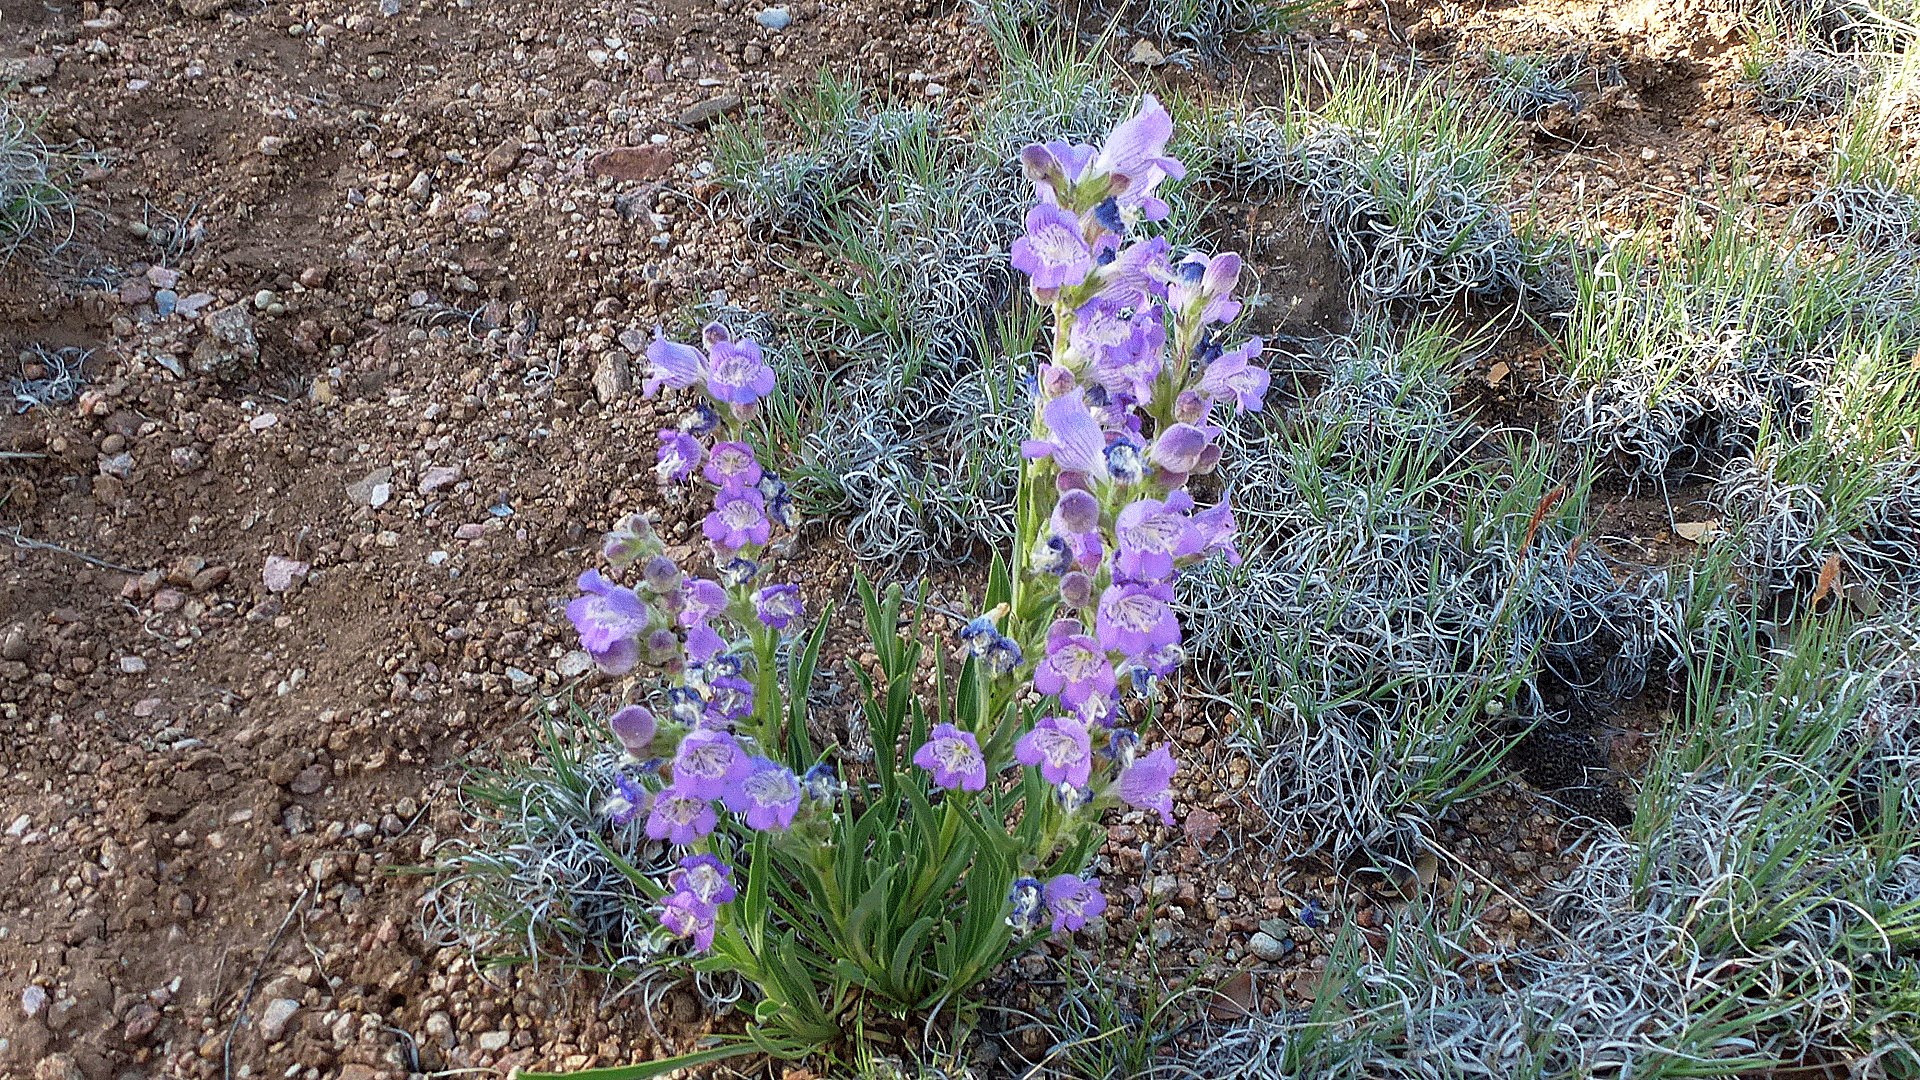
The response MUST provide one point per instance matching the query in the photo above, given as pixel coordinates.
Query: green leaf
(730, 1049)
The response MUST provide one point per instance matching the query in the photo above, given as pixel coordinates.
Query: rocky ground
(360, 286)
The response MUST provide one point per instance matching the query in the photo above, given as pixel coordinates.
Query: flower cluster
(707, 636)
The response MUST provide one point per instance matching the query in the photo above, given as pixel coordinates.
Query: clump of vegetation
(36, 202)
(1527, 86)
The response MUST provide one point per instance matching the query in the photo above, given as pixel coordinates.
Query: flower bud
(1078, 511)
(1076, 589)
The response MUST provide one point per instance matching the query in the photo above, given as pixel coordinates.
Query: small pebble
(774, 18)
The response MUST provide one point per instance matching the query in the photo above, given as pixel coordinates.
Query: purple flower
(736, 374)
(1073, 900)
(1077, 443)
(679, 453)
(1143, 783)
(1053, 252)
(953, 757)
(1075, 667)
(634, 727)
(1207, 283)
(708, 763)
(1076, 589)
(1233, 374)
(1151, 534)
(676, 365)
(1026, 905)
(1001, 656)
(732, 465)
(1054, 166)
(737, 572)
(731, 699)
(1138, 274)
(704, 600)
(610, 619)
(1134, 159)
(738, 519)
(777, 605)
(705, 878)
(1215, 527)
(680, 818)
(767, 796)
(1059, 745)
(1136, 617)
(631, 800)
(1178, 449)
(683, 916)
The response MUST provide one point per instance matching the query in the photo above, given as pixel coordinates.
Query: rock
(25, 70)
(1144, 52)
(1267, 947)
(612, 377)
(440, 1029)
(15, 646)
(141, 1023)
(421, 187)
(271, 145)
(501, 159)
(161, 277)
(577, 662)
(58, 1067)
(706, 112)
(634, 341)
(631, 163)
(230, 348)
(281, 574)
(205, 9)
(133, 665)
(1201, 826)
(774, 18)
(521, 680)
(164, 302)
(273, 1018)
(362, 491)
(33, 998)
(436, 477)
(135, 291)
(264, 421)
(211, 578)
(182, 572)
(493, 1042)
(309, 780)
(186, 459)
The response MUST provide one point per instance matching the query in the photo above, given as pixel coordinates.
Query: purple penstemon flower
(1233, 374)
(1076, 442)
(631, 539)
(679, 453)
(631, 801)
(1136, 275)
(634, 726)
(953, 757)
(1145, 782)
(1208, 284)
(680, 818)
(731, 698)
(732, 465)
(1136, 617)
(1055, 166)
(1216, 527)
(1075, 667)
(777, 605)
(738, 519)
(705, 878)
(1053, 253)
(1060, 747)
(736, 572)
(1177, 449)
(662, 575)
(736, 372)
(1131, 371)
(1151, 533)
(610, 619)
(1073, 900)
(766, 797)
(673, 364)
(1026, 905)
(684, 916)
(708, 763)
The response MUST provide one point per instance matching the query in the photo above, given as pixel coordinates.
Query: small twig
(22, 541)
(240, 1012)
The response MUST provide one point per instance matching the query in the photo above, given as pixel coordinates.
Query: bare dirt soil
(359, 280)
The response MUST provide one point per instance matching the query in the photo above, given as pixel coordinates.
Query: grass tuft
(36, 204)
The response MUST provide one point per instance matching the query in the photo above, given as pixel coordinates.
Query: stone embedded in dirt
(191, 305)
(612, 378)
(26, 70)
(166, 600)
(273, 1019)
(58, 1067)
(363, 492)
(706, 112)
(632, 163)
(229, 348)
(146, 707)
(634, 340)
(472, 530)
(33, 998)
(205, 9)
(15, 646)
(501, 159)
(774, 18)
(438, 476)
(133, 665)
(135, 291)
(181, 573)
(186, 458)
(521, 680)
(1267, 947)
(141, 1023)
(161, 277)
(1144, 52)
(308, 780)
(577, 662)
(264, 421)
(281, 574)
(19, 826)
(1201, 826)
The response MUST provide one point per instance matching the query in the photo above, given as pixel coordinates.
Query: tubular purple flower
(1053, 253)
(1178, 448)
(1077, 511)
(705, 878)
(732, 465)
(777, 605)
(683, 916)
(680, 818)
(679, 453)
(629, 803)
(1152, 533)
(1216, 527)
(1209, 283)
(1060, 747)
(737, 572)
(1233, 373)
(953, 757)
(673, 364)
(1137, 274)
(1075, 667)
(1026, 906)
(708, 763)
(1138, 145)
(738, 375)
(1143, 784)
(704, 600)
(1135, 618)
(738, 519)
(1040, 166)
(1076, 589)
(767, 797)
(1073, 900)
(610, 620)
(1077, 443)
(730, 700)
(662, 575)
(634, 727)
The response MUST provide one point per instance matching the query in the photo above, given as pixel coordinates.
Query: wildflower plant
(844, 891)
